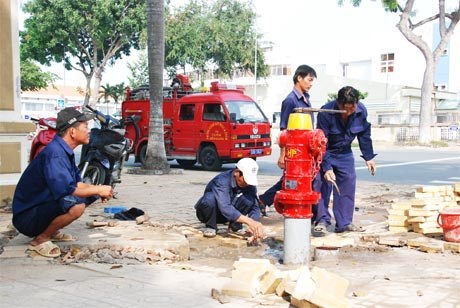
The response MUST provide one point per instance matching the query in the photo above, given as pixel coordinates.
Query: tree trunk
(87, 90)
(426, 103)
(156, 154)
(97, 85)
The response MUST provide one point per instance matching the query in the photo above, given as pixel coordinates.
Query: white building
(370, 55)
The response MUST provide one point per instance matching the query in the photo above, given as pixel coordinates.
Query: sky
(304, 31)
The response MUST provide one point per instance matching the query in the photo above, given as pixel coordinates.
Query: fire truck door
(214, 125)
(184, 130)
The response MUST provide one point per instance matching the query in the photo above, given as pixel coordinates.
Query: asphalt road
(395, 165)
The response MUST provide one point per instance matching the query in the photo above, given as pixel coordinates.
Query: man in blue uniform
(303, 79)
(338, 166)
(231, 197)
(50, 194)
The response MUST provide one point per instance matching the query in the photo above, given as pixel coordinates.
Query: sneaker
(209, 232)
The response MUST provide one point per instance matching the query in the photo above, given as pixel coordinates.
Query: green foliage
(220, 33)
(115, 92)
(389, 5)
(84, 35)
(139, 71)
(186, 37)
(33, 78)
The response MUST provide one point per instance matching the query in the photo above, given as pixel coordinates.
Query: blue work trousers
(269, 195)
(343, 205)
(207, 210)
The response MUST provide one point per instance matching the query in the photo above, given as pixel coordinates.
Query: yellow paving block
(417, 202)
(238, 288)
(301, 303)
(330, 289)
(400, 229)
(427, 225)
(305, 285)
(270, 280)
(424, 213)
(398, 212)
(417, 242)
(402, 218)
(432, 247)
(401, 206)
(416, 219)
(457, 187)
(398, 223)
(455, 247)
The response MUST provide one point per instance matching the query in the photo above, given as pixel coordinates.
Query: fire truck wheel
(186, 163)
(209, 159)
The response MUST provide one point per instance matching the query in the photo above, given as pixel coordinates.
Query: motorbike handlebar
(104, 119)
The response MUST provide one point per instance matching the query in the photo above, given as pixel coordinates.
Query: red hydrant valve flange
(304, 150)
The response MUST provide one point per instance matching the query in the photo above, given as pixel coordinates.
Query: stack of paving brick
(305, 288)
(420, 213)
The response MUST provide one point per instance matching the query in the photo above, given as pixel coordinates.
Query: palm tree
(156, 154)
(115, 92)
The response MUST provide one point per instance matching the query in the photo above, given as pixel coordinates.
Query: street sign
(60, 103)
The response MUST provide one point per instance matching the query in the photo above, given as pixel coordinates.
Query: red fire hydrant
(304, 150)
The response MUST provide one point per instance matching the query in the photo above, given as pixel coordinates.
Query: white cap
(249, 168)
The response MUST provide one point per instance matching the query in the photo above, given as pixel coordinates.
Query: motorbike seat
(121, 131)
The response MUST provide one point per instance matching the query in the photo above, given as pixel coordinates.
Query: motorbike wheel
(209, 159)
(186, 163)
(96, 174)
(143, 153)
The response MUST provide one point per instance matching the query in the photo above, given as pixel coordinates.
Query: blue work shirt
(340, 135)
(49, 177)
(295, 99)
(224, 188)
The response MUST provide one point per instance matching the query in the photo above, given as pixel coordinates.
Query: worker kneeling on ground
(231, 197)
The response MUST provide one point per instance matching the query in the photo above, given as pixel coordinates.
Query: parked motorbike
(102, 159)
(44, 133)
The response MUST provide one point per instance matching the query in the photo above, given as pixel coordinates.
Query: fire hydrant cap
(249, 168)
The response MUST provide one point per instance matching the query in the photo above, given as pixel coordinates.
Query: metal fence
(449, 133)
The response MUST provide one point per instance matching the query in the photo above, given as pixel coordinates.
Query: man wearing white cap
(231, 197)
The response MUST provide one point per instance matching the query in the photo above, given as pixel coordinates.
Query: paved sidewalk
(168, 263)
(128, 264)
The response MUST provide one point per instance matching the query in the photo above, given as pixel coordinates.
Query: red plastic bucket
(449, 221)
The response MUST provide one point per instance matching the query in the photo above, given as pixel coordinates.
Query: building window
(387, 63)
(440, 87)
(280, 70)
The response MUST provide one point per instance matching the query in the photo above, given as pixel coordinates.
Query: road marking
(442, 182)
(411, 163)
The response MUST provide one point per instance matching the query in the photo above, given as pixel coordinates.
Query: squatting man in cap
(231, 197)
(50, 194)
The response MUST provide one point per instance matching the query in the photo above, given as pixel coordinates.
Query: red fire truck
(211, 128)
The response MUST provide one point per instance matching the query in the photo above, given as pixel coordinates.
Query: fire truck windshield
(245, 111)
